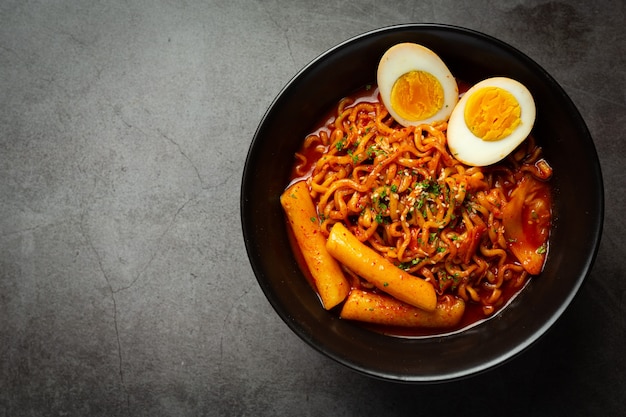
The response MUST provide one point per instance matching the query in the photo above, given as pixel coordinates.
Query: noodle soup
(476, 235)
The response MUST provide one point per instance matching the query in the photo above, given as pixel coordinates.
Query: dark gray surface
(124, 283)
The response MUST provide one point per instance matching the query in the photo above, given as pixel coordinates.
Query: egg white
(405, 57)
(472, 150)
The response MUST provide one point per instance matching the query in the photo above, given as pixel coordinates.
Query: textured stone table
(124, 283)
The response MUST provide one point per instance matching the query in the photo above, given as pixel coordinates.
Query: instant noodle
(473, 234)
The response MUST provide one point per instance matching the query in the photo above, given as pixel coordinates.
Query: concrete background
(124, 283)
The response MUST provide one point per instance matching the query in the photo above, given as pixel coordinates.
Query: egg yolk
(492, 113)
(417, 95)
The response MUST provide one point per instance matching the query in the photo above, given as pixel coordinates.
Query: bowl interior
(578, 208)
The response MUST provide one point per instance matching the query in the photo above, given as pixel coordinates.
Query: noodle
(400, 191)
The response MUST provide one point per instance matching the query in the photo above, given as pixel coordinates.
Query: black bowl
(578, 208)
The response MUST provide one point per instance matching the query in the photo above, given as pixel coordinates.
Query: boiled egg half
(490, 120)
(415, 85)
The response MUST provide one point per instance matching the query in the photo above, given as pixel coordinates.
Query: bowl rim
(500, 359)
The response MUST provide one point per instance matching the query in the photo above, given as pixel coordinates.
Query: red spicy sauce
(536, 221)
